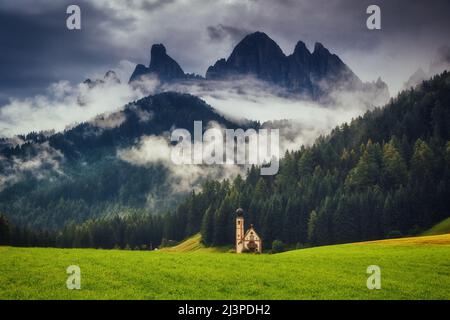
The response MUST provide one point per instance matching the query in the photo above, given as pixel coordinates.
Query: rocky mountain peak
(257, 55)
(109, 77)
(320, 49)
(302, 71)
(161, 65)
(158, 50)
(112, 76)
(300, 48)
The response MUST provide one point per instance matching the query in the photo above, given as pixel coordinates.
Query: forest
(384, 174)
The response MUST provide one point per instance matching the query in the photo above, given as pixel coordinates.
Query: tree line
(134, 230)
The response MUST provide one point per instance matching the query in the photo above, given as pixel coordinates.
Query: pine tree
(312, 221)
(4, 230)
(223, 225)
(367, 171)
(394, 170)
(207, 229)
(422, 162)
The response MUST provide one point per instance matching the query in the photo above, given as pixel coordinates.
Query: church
(249, 241)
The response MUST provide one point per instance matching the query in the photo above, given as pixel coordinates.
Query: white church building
(248, 241)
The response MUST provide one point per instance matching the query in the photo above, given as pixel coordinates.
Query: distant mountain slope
(439, 63)
(152, 115)
(49, 180)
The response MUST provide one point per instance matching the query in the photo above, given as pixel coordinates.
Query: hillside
(408, 271)
(420, 240)
(385, 174)
(50, 180)
(194, 244)
(442, 227)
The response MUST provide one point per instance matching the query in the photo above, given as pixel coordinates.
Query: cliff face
(302, 71)
(161, 64)
(256, 54)
(313, 74)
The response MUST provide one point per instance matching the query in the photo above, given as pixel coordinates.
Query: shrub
(277, 246)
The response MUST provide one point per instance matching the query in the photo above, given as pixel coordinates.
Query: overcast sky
(36, 49)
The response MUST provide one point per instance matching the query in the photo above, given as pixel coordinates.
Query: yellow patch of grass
(193, 244)
(443, 239)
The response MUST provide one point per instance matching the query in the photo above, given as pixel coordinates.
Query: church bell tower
(239, 230)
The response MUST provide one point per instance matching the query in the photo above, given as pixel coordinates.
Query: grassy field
(415, 268)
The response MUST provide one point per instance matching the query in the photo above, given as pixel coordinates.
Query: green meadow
(413, 268)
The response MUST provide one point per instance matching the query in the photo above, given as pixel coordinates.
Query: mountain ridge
(302, 71)
(313, 74)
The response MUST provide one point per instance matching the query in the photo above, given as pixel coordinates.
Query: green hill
(414, 268)
(442, 227)
(384, 173)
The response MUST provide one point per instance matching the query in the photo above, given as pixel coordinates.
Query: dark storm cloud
(37, 49)
(221, 32)
(152, 5)
(411, 32)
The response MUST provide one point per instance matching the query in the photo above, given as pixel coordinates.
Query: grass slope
(422, 240)
(194, 244)
(441, 228)
(414, 269)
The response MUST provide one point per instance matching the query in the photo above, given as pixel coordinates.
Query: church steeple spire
(239, 230)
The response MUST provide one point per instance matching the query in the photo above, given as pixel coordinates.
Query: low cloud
(65, 104)
(109, 120)
(300, 120)
(41, 162)
(183, 177)
(150, 149)
(251, 99)
(221, 32)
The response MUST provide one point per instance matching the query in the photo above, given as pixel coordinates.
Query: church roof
(252, 229)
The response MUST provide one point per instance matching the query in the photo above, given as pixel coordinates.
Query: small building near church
(246, 241)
